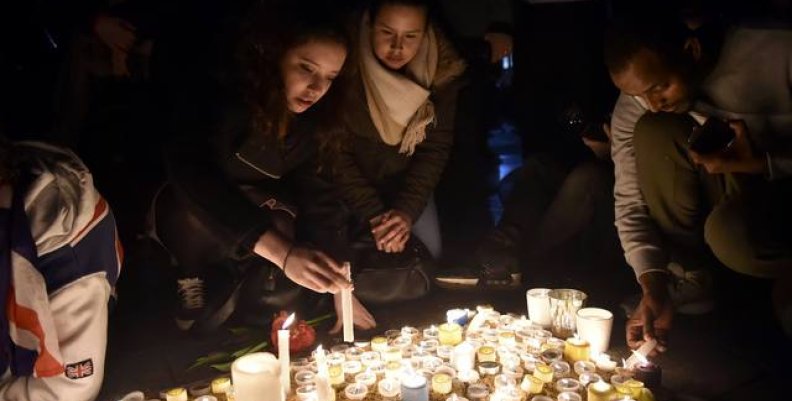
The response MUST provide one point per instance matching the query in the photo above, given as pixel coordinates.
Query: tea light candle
(410, 332)
(447, 370)
(468, 376)
(205, 397)
(600, 391)
(560, 368)
(431, 333)
(504, 381)
(445, 351)
(306, 392)
(335, 374)
(346, 307)
(450, 334)
(490, 335)
(392, 353)
(256, 377)
(304, 377)
(413, 388)
(569, 396)
(532, 385)
(530, 361)
(378, 368)
(221, 385)
(510, 393)
(542, 398)
(283, 355)
(584, 367)
(379, 344)
(389, 388)
(588, 378)
(633, 388)
(544, 373)
(356, 391)
(464, 357)
(552, 355)
(605, 364)
(430, 346)
(402, 342)
(393, 370)
(566, 384)
(368, 358)
(336, 358)
(176, 394)
(441, 383)
(576, 349)
(367, 378)
(487, 354)
(353, 354)
(489, 368)
(506, 338)
(556, 343)
(477, 392)
(431, 363)
(352, 367)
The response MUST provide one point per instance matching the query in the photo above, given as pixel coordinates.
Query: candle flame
(288, 322)
(319, 349)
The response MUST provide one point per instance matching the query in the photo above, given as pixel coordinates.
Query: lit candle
(324, 390)
(256, 377)
(450, 334)
(221, 385)
(544, 373)
(600, 391)
(430, 333)
(306, 392)
(346, 307)
(649, 373)
(379, 344)
(441, 383)
(176, 394)
(389, 388)
(464, 357)
(356, 391)
(605, 364)
(487, 354)
(576, 349)
(413, 388)
(283, 355)
(640, 354)
(532, 384)
(368, 378)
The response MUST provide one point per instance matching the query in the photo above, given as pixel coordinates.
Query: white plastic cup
(594, 325)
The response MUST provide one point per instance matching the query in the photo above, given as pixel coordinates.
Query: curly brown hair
(271, 29)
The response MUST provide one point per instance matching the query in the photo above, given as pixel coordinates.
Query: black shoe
(205, 303)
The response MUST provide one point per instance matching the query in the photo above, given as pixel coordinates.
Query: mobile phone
(714, 136)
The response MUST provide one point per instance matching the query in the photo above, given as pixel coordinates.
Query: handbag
(386, 278)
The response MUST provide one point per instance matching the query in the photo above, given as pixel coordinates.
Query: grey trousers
(742, 220)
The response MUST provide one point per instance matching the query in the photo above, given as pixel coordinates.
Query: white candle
(464, 357)
(346, 308)
(324, 391)
(256, 377)
(640, 354)
(539, 306)
(283, 355)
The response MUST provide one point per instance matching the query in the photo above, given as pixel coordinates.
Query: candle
(205, 397)
(431, 363)
(335, 372)
(430, 346)
(544, 373)
(389, 388)
(464, 357)
(356, 391)
(413, 388)
(441, 383)
(649, 373)
(306, 392)
(370, 357)
(532, 384)
(584, 367)
(352, 367)
(477, 392)
(504, 381)
(566, 384)
(576, 349)
(455, 397)
(431, 333)
(450, 334)
(506, 338)
(256, 377)
(353, 354)
(304, 377)
(410, 332)
(468, 376)
(324, 391)
(445, 351)
(569, 396)
(487, 354)
(489, 368)
(393, 370)
(176, 394)
(640, 354)
(346, 307)
(542, 398)
(367, 378)
(392, 353)
(560, 368)
(221, 385)
(552, 355)
(379, 344)
(283, 355)
(633, 388)
(539, 306)
(600, 391)
(604, 363)
(588, 378)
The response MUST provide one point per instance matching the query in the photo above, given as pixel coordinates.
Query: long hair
(271, 29)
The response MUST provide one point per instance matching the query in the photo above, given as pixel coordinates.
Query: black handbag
(386, 278)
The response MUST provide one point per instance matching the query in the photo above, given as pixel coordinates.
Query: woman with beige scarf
(401, 124)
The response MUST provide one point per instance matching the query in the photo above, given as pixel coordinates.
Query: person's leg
(427, 229)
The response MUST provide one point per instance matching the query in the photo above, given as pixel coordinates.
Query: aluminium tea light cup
(306, 392)
(389, 388)
(569, 396)
(585, 367)
(567, 384)
(356, 391)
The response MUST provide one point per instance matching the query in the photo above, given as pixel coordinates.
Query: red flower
(301, 335)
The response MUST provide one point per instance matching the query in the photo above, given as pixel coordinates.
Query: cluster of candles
(492, 357)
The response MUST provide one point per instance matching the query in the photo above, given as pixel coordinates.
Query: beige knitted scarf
(399, 103)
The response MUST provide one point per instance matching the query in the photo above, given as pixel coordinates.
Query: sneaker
(192, 301)
(690, 291)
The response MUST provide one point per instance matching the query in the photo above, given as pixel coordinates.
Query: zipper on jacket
(254, 167)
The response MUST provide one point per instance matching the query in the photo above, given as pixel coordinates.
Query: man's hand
(500, 45)
(116, 33)
(360, 315)
(391, 230)
(739, 158)
(654, 314)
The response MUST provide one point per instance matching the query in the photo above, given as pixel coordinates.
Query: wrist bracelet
(286, 258)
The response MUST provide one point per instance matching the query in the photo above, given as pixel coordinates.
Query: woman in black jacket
(243, 143)
(401, 122)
